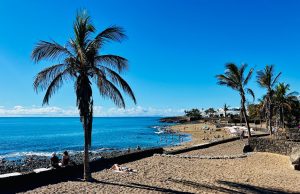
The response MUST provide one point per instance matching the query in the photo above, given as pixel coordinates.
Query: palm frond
(243, 68)
(293, 94)
(108, 89)
(118, 80)
(224, 80)
(233, 72)
(82, 28)
(114, 61)
(49, 50)
(44, 77)
(55, 85)
(248, 77)
(249, 91)
(113, 33)
(275, 79)
(262, 79)
(266, 78)
(79, 50)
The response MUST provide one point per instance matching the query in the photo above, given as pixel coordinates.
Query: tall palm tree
(234, 77)
(267, 79)
(284, 100)
(225, 108)
(81, 61)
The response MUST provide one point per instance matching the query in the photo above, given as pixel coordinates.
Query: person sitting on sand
(54, 160)
(65, 159)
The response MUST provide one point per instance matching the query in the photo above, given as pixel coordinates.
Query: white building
(220, 112)
(230, 111)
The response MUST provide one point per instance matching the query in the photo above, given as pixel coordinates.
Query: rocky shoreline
(29, 163)
(179, 119)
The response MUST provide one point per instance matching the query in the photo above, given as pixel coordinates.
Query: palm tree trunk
(269, 113)
(260, 120)
(270, 119)
(241, 115)
(86, 160)
(85, 106)
(87, 124)
(245, 115)
(282, 117)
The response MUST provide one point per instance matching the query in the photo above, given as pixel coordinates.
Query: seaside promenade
(253, 173)
(256, 173)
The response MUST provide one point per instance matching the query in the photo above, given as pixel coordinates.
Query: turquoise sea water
(41, 136)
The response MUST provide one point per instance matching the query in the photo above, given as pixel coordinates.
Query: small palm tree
(267, 79)
(81, 62)
(234, 77)
(261, 110)
(284, 100)
(225, 108)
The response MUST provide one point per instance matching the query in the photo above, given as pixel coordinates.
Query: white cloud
(98, 111)
(36, 111)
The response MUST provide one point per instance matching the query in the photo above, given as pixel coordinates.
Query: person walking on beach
(54, 160)
(242, 135)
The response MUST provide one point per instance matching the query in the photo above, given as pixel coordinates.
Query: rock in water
(295, 156)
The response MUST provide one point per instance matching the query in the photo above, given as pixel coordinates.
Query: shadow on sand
(140, 186)
(223, 186)
(231, 187)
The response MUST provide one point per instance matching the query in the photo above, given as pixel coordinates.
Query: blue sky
(175, 48)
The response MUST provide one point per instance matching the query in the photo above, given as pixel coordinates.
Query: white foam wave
(24, 154)
(155, 127)
(47, 154)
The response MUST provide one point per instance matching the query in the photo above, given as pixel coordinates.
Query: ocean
(22, 136)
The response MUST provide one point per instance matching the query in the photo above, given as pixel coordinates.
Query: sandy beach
(203, 132)
(256, 173)
(200, 132)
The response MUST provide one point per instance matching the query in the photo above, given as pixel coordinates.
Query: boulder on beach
(247, 148)
(296, 166)
(295, 156)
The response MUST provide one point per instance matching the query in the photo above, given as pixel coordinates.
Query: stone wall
(207, 145)
(276, 146)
